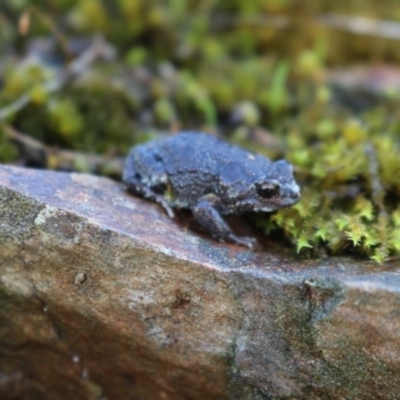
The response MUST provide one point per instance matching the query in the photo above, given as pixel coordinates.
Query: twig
(24, 140)
(99, 49)
(66, 159)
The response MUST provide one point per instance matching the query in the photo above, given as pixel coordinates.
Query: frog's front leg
(137, 188)
(211, 221)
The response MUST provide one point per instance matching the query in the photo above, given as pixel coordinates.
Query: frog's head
(277, 189)
(270, 190)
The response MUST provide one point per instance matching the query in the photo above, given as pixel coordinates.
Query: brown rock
(104, 297)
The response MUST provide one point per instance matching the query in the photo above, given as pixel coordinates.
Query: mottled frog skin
(211, 178)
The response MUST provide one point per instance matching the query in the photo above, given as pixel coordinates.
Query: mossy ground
(228, 67)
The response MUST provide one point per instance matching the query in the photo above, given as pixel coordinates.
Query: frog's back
(196, 154)
(191, 152)
(190, 164)
(198, 164)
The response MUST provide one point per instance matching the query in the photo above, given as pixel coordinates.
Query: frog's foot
(211, 221)
(164, 205)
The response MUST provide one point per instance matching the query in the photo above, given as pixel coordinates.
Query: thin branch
(66, 159)
(24, 140)
(15, 106)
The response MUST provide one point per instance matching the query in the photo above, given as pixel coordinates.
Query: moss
(346, 205)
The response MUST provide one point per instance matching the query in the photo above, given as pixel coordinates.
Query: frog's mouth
(265, 209)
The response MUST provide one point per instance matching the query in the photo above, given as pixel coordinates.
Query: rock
(104, 297)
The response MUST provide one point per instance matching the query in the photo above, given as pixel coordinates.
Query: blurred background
(314, 82)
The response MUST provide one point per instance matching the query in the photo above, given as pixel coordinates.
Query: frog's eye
(267, 189)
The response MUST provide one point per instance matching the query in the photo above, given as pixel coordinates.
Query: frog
(210, 177)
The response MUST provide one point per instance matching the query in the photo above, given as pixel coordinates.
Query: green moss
(346, 204)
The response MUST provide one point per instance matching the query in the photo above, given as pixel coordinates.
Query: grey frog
(211, 178)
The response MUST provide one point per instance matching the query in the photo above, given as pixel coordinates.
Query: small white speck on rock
(80, 277)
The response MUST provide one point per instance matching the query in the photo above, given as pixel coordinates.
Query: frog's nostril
(295, 194)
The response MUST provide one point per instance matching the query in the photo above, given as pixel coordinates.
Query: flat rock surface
(104, 297)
